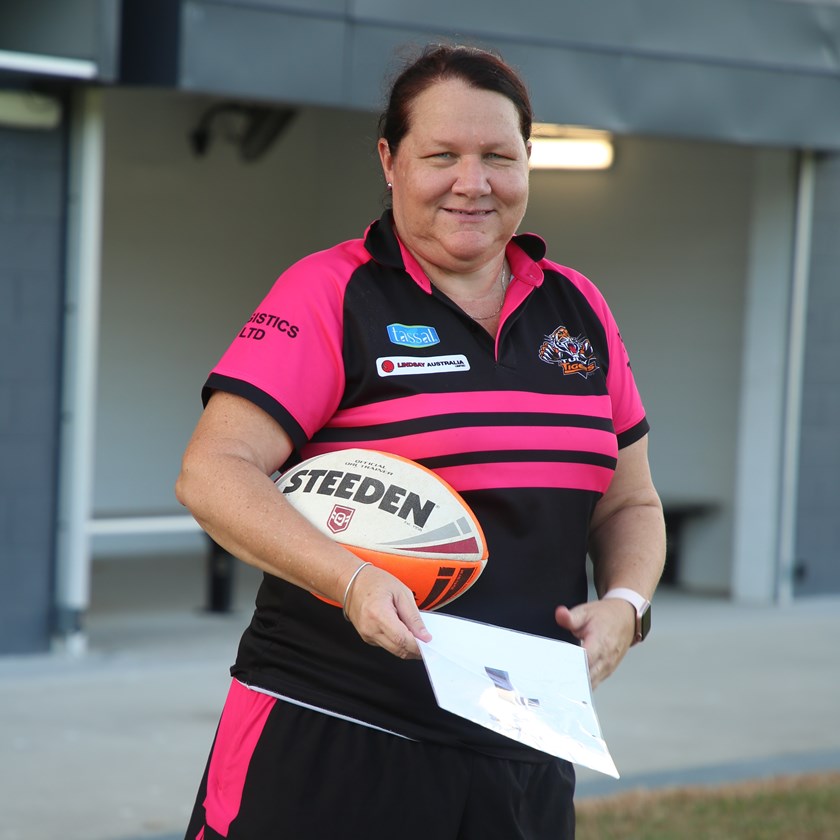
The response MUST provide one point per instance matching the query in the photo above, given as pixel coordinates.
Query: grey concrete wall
(817, 570)
(761, 500)
(31, 224)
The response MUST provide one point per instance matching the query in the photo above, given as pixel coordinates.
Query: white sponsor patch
(407, 365)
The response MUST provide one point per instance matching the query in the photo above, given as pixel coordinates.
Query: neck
(474, 284)
(482, 303)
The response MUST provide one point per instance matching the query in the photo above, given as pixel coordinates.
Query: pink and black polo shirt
(353, 347)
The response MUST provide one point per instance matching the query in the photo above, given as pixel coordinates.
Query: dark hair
(438, 62)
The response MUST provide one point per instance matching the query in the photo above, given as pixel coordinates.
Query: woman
(331, 728)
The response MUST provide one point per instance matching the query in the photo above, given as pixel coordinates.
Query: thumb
(571, 620)
(419, 629)
(410, 616)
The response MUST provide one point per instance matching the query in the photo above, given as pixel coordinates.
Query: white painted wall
(191, 244)
(664, 235)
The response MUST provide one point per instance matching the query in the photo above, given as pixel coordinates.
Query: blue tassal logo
(414, 336)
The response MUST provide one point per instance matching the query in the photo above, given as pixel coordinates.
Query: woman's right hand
(384, 613)
(225, 483)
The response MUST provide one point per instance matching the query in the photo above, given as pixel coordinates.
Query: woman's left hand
(605, 629)
(627, 548)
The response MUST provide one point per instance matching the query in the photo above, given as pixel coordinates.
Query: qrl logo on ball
(340, 517)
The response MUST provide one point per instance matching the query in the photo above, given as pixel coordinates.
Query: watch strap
(640, 604)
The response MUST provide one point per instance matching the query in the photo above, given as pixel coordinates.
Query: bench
(677, 514)
(220, 564)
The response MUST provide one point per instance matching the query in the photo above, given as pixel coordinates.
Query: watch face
(644, 624)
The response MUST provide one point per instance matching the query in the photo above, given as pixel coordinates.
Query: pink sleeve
(287, 358)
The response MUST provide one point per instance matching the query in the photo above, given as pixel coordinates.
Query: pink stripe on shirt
(240, 728)
(498, 439)
(466, 402)
(527, 474)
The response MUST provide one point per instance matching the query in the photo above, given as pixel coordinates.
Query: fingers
(598, 671)
(601, 627)
(384, 613)
(603, 660)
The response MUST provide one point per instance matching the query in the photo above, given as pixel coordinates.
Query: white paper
(529, 688)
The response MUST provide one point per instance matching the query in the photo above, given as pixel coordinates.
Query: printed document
(529, 688)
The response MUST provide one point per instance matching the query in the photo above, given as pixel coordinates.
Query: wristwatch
(640, 604)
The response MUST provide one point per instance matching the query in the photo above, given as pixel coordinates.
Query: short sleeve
(287, 358)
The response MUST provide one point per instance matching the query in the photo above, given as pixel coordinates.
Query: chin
(473, 246)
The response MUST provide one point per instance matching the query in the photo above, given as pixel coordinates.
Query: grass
(794, 808)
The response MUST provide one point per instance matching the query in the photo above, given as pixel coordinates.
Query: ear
(528, 149)
(386, 159)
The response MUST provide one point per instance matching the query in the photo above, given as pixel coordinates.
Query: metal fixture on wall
(566, 147)
(252, 128)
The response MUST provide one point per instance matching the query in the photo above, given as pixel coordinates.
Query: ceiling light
(561, 147)
(28, 110)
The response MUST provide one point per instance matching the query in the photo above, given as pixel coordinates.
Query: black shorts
(281, 771)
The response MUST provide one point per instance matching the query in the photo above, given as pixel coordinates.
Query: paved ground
(110, 746)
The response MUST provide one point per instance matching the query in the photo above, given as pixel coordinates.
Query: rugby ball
(394, 513)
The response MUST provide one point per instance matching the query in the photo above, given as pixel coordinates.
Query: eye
(497, 157)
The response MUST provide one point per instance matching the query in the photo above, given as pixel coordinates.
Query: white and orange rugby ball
(394, 513)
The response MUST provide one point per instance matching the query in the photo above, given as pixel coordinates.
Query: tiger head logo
(572, 354)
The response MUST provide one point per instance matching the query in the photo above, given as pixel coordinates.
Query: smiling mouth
(479, 214)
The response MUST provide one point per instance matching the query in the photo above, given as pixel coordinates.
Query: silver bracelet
(347, 591)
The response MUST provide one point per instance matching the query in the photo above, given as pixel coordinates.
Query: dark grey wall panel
(748, 71)
(818, 523)
(31, 298)
(257, 53)
(331, 7)
(736, 32)
(638, 93)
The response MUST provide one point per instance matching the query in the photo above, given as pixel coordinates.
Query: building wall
(817, 522)
(191, 244)
(664, 235)
(762, 503)
(31, 283)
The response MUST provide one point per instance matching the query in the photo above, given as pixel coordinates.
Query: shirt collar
(524, 252)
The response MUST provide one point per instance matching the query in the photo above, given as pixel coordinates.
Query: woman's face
(459, 177)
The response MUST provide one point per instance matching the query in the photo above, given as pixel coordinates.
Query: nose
(472, 177)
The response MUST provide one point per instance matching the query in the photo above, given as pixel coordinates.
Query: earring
(390, 186)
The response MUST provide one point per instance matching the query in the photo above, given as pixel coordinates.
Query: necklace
(503, 281)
